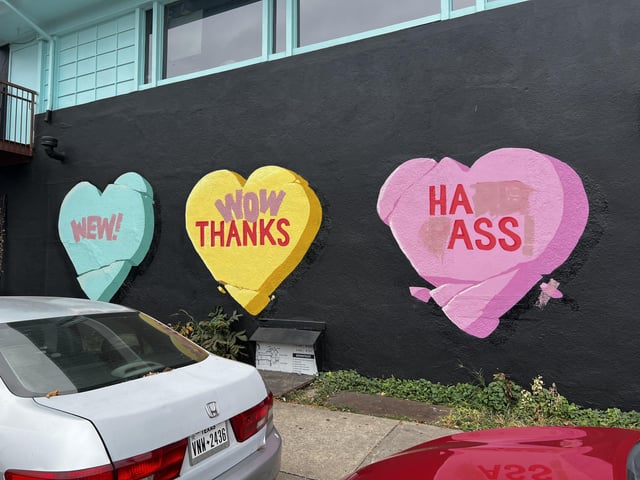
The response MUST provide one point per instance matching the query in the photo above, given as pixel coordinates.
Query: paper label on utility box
(286, 358)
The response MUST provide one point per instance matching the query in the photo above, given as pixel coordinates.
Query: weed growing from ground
(496, 404)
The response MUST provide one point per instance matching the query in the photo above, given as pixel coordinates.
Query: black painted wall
(558, 76)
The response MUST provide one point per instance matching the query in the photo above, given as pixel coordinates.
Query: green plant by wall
(217, 334)
(496, 404)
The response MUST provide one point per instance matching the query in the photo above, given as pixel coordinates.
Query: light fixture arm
(49, 144)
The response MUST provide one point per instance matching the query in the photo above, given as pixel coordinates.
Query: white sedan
(93, 390)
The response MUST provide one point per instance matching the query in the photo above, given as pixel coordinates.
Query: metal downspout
(49, 39)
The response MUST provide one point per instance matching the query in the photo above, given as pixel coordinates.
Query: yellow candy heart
(252, 234)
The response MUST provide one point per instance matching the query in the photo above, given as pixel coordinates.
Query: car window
(84, 352)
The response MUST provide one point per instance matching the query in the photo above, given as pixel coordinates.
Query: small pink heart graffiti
(484, 235)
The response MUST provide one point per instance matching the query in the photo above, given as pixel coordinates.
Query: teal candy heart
(106, 233)
(103, 283)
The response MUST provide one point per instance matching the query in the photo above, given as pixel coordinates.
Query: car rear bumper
(264, 464)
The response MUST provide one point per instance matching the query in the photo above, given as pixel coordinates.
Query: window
(203, 34)
(279, 26)
(148, 50)
(459, 4)
(322, 20)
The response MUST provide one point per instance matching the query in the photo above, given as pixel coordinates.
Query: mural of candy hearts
(485, 235)
(106, 233)
(252, 234)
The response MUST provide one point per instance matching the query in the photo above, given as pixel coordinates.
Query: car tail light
(247, 423)
(104, 472)
(160, 464)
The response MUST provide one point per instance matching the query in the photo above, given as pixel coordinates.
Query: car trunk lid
(147, 413)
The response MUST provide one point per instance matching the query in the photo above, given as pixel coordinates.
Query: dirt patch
(382, 406)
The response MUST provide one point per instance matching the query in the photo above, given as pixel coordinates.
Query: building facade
(534, 102)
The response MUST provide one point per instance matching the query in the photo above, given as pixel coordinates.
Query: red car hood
(530, 453)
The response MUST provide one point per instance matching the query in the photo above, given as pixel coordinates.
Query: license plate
(207, 442)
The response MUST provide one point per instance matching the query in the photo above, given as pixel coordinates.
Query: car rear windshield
(55, 356)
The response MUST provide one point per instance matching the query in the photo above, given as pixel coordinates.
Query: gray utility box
(290, 346)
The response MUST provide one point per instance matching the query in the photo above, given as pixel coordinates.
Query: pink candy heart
(485, 235)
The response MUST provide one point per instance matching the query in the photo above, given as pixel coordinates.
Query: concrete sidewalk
(322, 444)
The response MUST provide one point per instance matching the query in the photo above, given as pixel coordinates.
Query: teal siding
(97, 62)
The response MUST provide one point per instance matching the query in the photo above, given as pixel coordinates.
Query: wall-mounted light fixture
(49, 144)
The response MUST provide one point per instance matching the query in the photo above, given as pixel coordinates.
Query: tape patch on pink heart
(484, 235)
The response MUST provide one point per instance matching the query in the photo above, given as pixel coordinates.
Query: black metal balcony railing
(17, 114)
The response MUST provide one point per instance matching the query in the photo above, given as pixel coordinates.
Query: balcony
(17, 114)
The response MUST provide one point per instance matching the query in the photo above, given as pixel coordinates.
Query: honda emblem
(212, 409)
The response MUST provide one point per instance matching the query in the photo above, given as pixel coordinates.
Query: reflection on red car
(527, 453)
